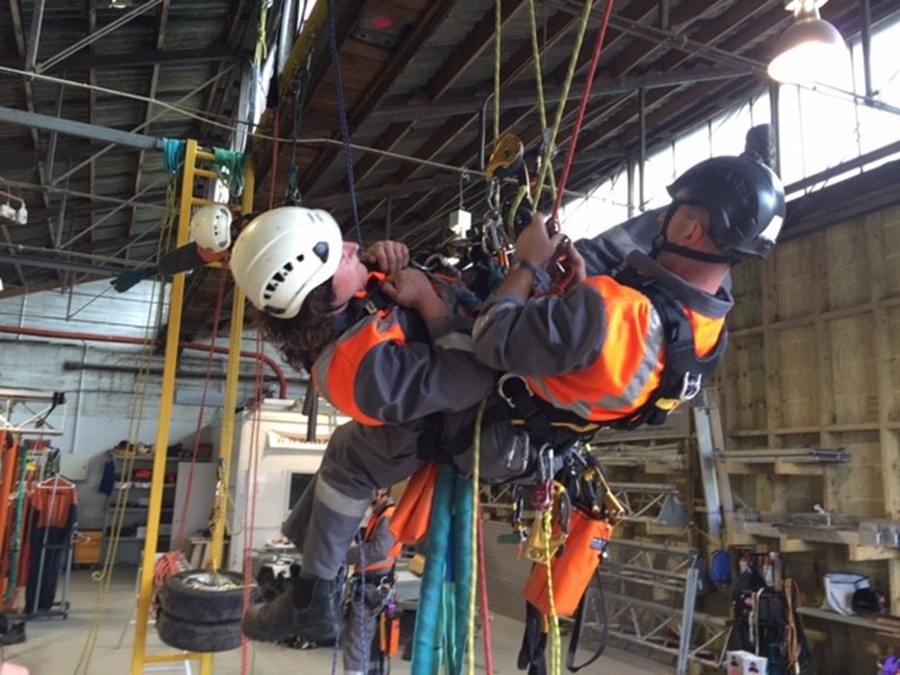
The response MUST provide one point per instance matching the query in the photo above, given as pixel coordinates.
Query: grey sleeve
(609, 249)
(397, 384)
(549, 335)
(376, 549)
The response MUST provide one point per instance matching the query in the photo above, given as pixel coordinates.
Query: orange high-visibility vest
(630, 366)
(371, 526)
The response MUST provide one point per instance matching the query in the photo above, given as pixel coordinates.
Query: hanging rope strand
(585, 96)
(342, 115)
(562, 104)
(498, 25)
(539, 84)
(474, 549)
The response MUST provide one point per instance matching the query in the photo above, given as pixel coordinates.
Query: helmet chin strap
(662, 243)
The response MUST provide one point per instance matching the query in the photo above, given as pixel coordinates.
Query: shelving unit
(132, 497)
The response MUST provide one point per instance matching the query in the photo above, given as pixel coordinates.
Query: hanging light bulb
(811, 50)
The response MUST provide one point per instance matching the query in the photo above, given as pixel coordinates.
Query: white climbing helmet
(211, 227)
(283, 254)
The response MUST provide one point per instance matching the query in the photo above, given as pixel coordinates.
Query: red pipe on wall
(92, 337)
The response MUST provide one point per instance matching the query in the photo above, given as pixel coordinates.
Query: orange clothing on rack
(53, 499)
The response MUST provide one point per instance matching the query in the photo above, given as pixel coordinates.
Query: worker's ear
(696, 232)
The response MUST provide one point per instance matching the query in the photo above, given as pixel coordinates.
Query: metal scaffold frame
(650, 592)
(24, 411)
(656, 503)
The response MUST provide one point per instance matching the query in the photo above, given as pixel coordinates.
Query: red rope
(598, 49)
(179, 538)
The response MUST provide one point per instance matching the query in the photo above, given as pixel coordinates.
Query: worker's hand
(535, 244)
(411, 288)
(574, 261)
(389, 256)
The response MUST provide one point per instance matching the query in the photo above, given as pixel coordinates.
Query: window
(818, 130)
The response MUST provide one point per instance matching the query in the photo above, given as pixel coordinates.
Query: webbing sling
(579, 625)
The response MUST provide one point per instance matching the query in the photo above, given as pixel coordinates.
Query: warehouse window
(819, 129)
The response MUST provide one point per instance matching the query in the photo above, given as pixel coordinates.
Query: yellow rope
(562, 103)
(104, 575)
(476, 496)
(555, 644)
(261, 50)
(539, 81)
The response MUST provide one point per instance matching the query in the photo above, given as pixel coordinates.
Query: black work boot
(310, 608)
(13, 634)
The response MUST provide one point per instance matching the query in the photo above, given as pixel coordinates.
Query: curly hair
(302, 338)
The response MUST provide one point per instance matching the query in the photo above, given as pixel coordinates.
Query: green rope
(562, 101)
(230, 170)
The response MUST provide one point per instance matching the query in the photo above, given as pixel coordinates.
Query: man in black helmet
(623, 349)
(622, 345)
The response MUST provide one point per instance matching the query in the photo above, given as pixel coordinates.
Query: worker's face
(350, 277)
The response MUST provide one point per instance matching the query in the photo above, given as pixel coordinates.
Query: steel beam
(73, 128)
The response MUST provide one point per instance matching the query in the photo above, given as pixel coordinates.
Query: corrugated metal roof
(416, 75)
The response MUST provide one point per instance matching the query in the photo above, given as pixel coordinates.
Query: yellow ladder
(193, 170)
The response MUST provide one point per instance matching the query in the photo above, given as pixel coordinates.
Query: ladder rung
(207, 173)
(169, 658)
(200, 201)
(206, 155)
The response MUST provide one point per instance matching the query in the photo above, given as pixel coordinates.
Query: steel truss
(25, 411)
(650, 592)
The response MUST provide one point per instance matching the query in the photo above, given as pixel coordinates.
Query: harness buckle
(690, 386)
(509, 396)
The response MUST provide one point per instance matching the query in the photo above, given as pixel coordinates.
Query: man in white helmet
(333, 311)
(213, 229)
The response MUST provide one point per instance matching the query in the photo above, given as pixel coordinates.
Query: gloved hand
(132, 277)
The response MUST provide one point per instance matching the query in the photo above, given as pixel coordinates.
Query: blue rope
(173, 152)
(342, 114)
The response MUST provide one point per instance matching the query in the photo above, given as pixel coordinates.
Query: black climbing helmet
(745, 200)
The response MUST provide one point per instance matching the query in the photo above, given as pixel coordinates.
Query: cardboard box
(745, 663)
(88, 545)
(417, 564)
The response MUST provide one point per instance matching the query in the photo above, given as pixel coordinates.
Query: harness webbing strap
(684, 372)
(579, 626)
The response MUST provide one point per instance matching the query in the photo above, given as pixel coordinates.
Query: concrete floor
(57, 646)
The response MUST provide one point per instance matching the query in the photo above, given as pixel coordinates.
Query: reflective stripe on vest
(341, 361)
(633, 355)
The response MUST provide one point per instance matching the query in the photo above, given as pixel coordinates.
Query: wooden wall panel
(846, 266)
(887, 224)
(858, 485)
(818, 364)
(890, 367)
(747, 291)
(746, 371)
(798, 379)
(795, 278)
(855, 381)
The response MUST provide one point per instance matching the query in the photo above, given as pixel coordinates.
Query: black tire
(202, 596)
(198, 637)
